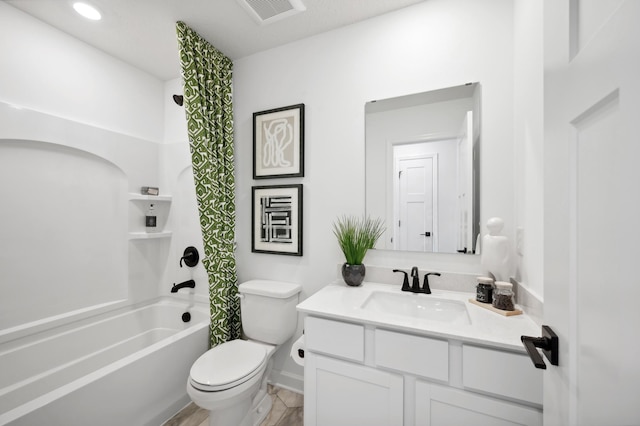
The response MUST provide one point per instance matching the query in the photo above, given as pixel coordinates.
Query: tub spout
(188, 283)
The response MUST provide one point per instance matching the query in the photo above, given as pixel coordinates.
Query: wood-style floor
(287, 410)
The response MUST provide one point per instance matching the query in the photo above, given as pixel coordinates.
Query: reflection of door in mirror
(422, 169)
(427, 193)
(414, 198)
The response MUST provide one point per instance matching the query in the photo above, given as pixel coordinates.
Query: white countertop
(341, 302)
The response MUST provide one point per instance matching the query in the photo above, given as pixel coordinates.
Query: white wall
(79, 130)
(528, 143)
(435, 44)
(49, 71)
(67, 215)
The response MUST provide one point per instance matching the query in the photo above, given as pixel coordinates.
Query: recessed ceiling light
(87, 11)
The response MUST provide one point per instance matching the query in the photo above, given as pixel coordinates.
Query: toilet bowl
(230, 380)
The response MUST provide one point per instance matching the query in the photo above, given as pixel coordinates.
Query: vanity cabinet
(357, 374)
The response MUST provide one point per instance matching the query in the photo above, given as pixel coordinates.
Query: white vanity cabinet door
(340, 393)
(444, 406)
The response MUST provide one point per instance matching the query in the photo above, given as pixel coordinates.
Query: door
(592, 210)
(415, 222)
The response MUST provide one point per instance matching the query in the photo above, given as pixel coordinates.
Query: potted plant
(355, 236)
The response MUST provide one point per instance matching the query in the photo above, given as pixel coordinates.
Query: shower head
(179, 99)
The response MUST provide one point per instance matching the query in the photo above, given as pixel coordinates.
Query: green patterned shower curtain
(206, 75)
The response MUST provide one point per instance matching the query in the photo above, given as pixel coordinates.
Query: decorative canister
(484, 289)
(503, 296)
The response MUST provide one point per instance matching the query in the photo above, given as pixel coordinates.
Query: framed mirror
(422, 155)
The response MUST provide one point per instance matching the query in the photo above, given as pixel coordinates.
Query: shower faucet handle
(190, 257)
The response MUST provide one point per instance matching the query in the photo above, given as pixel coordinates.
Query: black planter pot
(353, 275)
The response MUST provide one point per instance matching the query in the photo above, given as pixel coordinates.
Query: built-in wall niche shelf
(139, 206)
(139, 197)
(149, 235)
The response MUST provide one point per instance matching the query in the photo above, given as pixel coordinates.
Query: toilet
(230, 380)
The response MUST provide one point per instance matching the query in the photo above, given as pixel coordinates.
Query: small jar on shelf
(484, 289)
(503, 296)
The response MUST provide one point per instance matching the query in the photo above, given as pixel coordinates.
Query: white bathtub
(128, 367)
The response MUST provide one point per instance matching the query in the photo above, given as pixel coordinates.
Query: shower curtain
(206, 75)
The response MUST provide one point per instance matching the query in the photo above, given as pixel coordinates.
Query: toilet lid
(227, 365)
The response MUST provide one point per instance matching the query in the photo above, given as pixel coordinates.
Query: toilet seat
(227, 365)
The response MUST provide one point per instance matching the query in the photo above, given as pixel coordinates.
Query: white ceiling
(142, 32)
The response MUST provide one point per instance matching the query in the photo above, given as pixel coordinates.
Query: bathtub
(127, 367)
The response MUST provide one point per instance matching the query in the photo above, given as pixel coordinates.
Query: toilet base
(244, 414)
(262, 409)
(235, 415)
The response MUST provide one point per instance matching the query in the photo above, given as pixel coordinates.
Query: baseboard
(286, 380)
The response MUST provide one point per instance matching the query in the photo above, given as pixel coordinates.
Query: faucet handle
(405, 281)
(425, 285)
(190, 257)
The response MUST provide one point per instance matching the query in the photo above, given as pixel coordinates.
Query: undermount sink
(420, 306)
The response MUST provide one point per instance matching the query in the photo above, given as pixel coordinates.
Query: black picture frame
(278, 142)
(276, 220)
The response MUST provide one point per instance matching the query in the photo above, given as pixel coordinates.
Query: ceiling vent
(268, 11)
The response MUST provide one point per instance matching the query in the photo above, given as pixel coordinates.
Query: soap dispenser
(151, 221)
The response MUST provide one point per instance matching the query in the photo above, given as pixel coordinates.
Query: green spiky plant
(356, 235)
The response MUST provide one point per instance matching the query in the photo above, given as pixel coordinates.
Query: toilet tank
(268, 310)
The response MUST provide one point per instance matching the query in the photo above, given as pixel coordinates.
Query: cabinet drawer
(336, 338)
(501, 373)
(422, 356)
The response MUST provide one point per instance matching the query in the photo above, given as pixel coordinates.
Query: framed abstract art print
(277, 219)
(278, 142)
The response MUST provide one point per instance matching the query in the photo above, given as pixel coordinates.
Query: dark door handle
(548, 343)
(426, 234)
